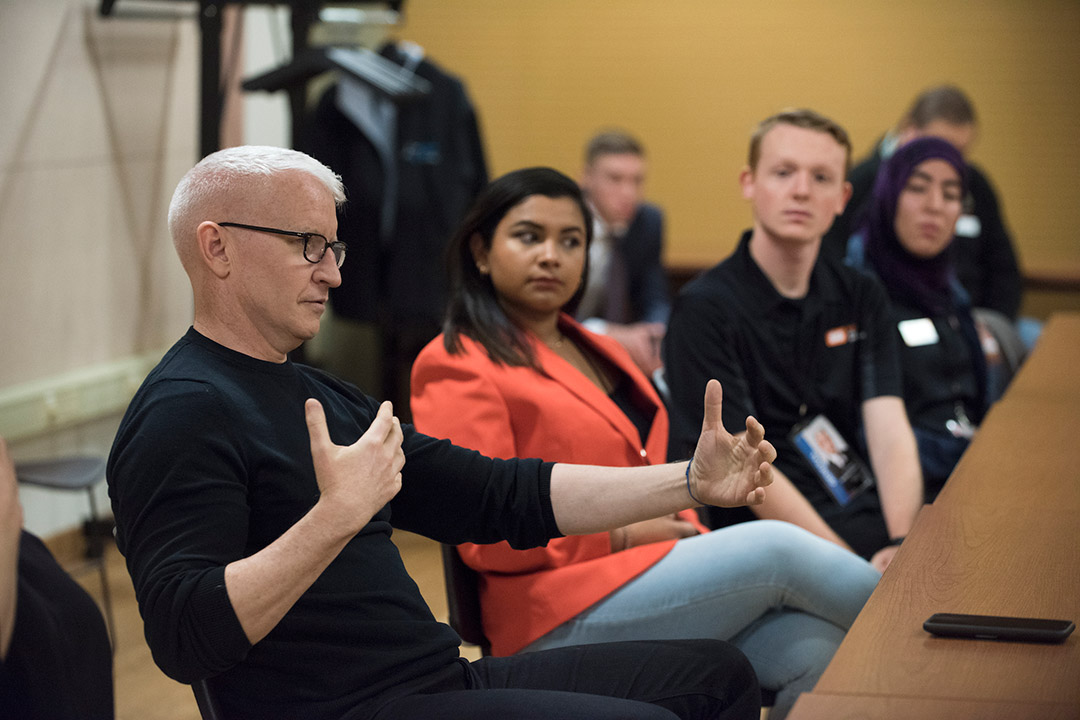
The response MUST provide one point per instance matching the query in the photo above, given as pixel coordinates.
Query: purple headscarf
(926, 282)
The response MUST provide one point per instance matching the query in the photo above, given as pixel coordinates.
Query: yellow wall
(692, 77)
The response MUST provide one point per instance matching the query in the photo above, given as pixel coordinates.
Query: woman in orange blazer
(513, 375)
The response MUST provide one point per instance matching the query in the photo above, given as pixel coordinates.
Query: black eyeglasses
(315, 245)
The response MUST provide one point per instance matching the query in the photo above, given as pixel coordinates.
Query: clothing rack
(384, 75)
(303, 14)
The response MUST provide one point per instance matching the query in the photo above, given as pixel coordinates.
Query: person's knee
(739, 673)
(784, 544)
(716, 669)
(736, 683)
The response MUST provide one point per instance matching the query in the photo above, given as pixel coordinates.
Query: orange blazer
(556, 414)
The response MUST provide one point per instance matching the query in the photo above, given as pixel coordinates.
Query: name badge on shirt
(841, 335)
(837, 465)
(968, 226)
(918, 332)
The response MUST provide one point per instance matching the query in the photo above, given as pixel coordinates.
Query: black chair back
(463, 599)
(207, 707)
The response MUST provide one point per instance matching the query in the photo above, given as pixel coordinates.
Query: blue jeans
(783, 596)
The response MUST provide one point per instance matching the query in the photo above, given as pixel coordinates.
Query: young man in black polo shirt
(801, 344)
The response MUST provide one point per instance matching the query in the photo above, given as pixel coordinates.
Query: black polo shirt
(945, 380)
(783, 361)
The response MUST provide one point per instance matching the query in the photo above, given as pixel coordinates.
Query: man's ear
(213, 248)
(847, 196)
(746, 182)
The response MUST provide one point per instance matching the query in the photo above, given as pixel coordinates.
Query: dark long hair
(473, 309)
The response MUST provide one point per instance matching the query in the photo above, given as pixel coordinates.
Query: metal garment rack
(303, 14)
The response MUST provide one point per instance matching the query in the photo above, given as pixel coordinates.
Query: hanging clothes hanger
(396, 82)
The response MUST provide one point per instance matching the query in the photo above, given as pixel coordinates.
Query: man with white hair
(255, 500)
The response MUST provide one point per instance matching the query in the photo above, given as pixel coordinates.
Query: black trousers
(647, 680)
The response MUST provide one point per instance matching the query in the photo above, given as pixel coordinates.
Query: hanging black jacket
(394, 271)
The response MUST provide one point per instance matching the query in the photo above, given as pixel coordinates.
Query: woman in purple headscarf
(906, 240)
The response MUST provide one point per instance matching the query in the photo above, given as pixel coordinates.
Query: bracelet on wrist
(688, 490)
(895, 541)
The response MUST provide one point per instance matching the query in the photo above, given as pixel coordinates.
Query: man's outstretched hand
(730, 471)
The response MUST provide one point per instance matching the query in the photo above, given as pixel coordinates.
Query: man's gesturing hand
(356, 480)
(729, 471)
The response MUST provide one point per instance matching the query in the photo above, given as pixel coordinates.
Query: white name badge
(968, 226)
(918, 332)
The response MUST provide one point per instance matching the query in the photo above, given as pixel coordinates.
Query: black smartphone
(994, 627)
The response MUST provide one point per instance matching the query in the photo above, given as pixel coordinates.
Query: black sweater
(212, 463)
(59, 664)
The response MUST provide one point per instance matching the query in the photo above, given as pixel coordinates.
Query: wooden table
(1003, 538)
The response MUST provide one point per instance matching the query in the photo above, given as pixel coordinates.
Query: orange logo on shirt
(841, 335)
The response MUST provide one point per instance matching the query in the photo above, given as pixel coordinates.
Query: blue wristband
(688, 490)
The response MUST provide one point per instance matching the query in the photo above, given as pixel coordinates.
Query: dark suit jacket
(637, 286)
(394, 275)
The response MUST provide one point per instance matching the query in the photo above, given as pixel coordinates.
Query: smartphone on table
(996, 627)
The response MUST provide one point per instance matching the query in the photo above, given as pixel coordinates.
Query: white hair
(209, 183)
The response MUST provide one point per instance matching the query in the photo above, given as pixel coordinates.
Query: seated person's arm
(355, 481)
(894, 457)
(695, 347)
(642, 341)
(785, 502)
(651, 294)
(454, 397)
(180, 492)
(10, 531)
(669, 527)
(726, 471)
